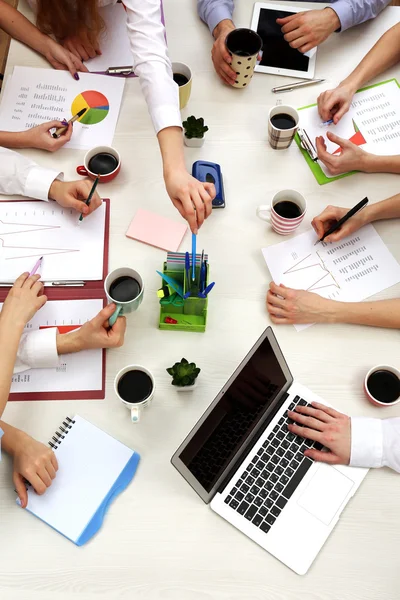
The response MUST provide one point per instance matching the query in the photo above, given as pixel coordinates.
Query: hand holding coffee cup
(283, 122)
(244, 45)
(124, 287)
(285, 213)
(382, 385)
(183, 77)
(134, 386)
(102, 161)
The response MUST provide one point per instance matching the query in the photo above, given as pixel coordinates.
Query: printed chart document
(373, 122)
(81, 371)
(71, 250)
(350, 270)
(34, 96)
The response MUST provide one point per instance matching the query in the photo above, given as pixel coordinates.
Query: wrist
(13, 439)
(332, 19)
(12, 326)
(368, 162)
(55, 189)
(171, 146)
(223, 27)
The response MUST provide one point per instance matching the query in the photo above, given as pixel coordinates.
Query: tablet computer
(278, 58)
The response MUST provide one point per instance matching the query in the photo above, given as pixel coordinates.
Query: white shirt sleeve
(375, 443)
(37, 350)
(151, 62)
(20, 175)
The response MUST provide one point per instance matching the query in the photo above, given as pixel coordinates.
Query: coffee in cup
(183, 77)
(134, 385)
(283, 123)
(382, 385)
(285, 213)
(102, 161)
(125, 288)
(244, 45)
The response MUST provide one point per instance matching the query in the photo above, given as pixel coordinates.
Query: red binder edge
(91, 291)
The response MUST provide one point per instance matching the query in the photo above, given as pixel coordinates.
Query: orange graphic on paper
(357, 139)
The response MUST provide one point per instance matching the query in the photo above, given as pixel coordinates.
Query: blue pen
(202, 281)
(207, 290)
(187, 269)
(193, 256)
(326, 123)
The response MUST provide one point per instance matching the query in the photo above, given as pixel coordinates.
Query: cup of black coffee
(134, 386)
(244, 46)
(103, 161)
(283, 122)
(125, 288)
(183, 77)
(285, 213)
(382, 385)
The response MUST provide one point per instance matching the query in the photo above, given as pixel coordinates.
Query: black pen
(347, 216)
(58, 132)
(87, 202)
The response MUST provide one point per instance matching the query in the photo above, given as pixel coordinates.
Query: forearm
(10, 335)
(381, 313)
(11, 437)
(386, 209)
(382, 56)
(69, 343)
(171, 147)
(10, 139)
(381, 164)
(19, 28)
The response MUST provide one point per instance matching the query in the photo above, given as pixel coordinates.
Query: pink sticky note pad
(156, 230)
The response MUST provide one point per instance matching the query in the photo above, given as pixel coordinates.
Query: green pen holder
(192, 315)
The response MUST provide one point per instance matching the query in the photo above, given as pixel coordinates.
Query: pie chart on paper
(96, 104)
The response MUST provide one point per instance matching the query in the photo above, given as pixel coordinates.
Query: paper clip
(307, 144)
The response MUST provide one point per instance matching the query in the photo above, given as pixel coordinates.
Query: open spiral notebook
(93, 469)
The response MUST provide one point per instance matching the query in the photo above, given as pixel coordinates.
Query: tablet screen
(276, 51)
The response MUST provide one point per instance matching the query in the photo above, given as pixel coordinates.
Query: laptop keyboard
(270, 479)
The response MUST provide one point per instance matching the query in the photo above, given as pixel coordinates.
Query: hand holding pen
(40, 137)
(89, 198)
(336, 223)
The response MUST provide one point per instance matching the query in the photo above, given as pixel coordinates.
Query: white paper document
(35, 96)
(71, 250)
(372, 123)
(350, 270)
(114, 41)
(82, 371)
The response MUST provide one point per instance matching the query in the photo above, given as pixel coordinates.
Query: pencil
(58, 132)
(89, 198)
(345, 218)
(36, 267)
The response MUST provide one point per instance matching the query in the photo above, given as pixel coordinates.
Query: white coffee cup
(135, 408)
(279, 223)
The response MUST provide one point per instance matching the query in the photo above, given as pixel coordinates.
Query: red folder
(91, 290)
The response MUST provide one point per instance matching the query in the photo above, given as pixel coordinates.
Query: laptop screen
(229, 422)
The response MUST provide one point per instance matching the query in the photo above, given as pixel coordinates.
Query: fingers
(286, 20)
(338, 140)
(78, 64)
(327, 409)
(190, 213)
(38, 485)
(20, 488)
(37, 288)
(102, 317)
(307, 420)
(118, 331)
(279, 290)
(274, 300)
(325, 457)
(30, 281)
(222, 60)
(57, 143)
(54, 462)
(342, 110)
(207, 193)
(306, 432)
(44, 476)
(179, 207)
(323, 155)
(19, 282)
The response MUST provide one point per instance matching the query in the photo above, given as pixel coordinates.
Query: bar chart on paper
(70, 250)
(350, 270)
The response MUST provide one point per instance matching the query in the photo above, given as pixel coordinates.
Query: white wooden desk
(159, 541)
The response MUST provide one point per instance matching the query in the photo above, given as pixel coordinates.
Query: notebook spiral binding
(60, 434)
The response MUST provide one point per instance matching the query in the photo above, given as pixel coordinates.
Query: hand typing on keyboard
(326, 426)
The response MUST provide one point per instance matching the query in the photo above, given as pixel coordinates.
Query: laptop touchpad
(325, 493)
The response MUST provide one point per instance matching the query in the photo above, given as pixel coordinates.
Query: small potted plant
(194, 131)
(184, 375)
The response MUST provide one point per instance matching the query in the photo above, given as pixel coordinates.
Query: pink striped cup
(283, 225)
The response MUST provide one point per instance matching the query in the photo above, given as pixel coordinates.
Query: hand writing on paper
(351, 157)
(192, 198)
(81, 46)
(62, 59)
(333, 104)
(220, 55)
(72, 194)
(23, 300)
(326, 426)
(331, 215)
(94, 334)
(40, 137)
(306, 30)
(34, 462)
(287, 306)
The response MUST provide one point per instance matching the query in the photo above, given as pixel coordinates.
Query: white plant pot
(193, 142)
(185, 388)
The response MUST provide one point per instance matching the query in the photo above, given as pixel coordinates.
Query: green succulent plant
(194, 128)
(183, 373)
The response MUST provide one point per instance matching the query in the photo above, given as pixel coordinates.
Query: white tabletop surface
(159, 541)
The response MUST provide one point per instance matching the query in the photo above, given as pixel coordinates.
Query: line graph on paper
(70, 250)
(310, 273)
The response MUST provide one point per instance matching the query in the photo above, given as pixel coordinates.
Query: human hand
(305, 30)
(40, 137)
(287, 306)
(333, 104)
(326, 426)
(82, 46)
(62, 59)
(23, 300)
(34, 462)
(192, 198)
(351, 157)
(73, 194)
(94, 334)
(220, 55)
(331, 215)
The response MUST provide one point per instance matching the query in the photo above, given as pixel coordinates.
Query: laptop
(241, 459)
